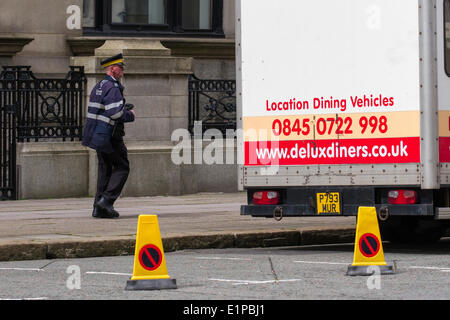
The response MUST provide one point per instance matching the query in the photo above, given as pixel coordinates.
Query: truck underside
(423, 218)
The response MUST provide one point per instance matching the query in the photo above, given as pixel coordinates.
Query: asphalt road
(299, 273)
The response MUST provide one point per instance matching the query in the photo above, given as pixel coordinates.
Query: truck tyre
(412, 230)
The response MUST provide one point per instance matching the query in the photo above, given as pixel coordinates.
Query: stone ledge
(133, 146)
(139, 65)
(35, 148)
(195, 48)
(224, 49)
(132, 48)
(84, 46)
(11, 45)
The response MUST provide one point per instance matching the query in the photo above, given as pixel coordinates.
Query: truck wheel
(412, 230)
(390, 229)
(428, 230)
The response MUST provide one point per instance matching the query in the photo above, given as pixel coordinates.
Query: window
(447, 35)
(138, 11)
(153, 18)
(88, 13)
(196, 14)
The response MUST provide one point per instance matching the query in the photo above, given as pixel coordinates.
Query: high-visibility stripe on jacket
(105, 110)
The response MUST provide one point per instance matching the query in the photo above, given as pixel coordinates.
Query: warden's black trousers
(113, 170)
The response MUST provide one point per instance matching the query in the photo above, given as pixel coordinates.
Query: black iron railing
(8, 137)
(33, 109)
(213, 102)
(7, 151)
(46, 108)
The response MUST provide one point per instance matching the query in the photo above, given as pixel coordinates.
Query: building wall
(67, 169)
(46, 21)
(56, 169)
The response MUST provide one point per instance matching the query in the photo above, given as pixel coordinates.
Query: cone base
(365, 271)
(152, 284)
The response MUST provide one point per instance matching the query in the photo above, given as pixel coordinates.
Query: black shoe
(106, 209)
(97, 212)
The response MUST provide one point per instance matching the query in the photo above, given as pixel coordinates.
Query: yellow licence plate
(328, 203)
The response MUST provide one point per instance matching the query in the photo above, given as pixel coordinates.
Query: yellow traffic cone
(368, 251)
(149, 271)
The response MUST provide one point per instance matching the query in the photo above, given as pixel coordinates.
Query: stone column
(157, 84)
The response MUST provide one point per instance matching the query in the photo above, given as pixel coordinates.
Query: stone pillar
(157, 84)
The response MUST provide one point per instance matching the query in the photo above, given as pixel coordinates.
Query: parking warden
(104, 131)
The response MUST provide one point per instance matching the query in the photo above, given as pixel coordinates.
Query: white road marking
(322, 262)
(111, 273)
(22, 269)
(219, 258)
(38, 298)
(445, 269)
(243, 282)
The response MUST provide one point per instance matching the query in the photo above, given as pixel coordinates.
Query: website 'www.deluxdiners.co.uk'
(333, 152)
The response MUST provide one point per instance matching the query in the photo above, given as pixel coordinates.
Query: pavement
(64, 228)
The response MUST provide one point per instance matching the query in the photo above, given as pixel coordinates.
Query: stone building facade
(164, 42)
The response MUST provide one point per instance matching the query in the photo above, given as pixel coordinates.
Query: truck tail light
(266, 197)
(402, 197)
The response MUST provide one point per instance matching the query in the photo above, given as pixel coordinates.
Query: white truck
(346, 103)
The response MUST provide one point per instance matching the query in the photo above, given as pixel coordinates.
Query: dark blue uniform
(104, 133)
(106, 115)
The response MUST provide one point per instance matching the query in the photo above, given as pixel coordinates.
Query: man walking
(104, 131)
